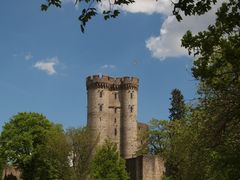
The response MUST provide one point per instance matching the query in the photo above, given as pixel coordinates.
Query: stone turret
(129, 117)
(112, 111)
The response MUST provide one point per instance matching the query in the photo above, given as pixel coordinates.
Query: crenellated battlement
(97, 81)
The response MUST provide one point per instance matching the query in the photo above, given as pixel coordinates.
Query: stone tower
(112, 111)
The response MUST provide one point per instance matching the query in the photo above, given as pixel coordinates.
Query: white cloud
(28, 56)
(108, 66)
(149, 7)
(141, 6)
(47, 65)
(168, 42)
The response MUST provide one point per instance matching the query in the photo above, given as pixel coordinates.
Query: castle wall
(153, 167)
(145, 167)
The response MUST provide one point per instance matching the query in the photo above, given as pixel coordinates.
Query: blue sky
(45, 59)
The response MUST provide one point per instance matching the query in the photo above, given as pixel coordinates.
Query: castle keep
(112, 114)
(112, 111)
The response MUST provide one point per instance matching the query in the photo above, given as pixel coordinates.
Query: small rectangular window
(115, 110)
(131, 95)
(100, 94)
(115, 131)
(115, 95)
(100, 107)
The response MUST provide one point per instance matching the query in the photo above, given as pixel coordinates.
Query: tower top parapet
(97, 81)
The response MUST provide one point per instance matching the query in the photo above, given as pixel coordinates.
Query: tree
(26, 142)
(218, 70)
(55, 153)
(107, 164)
(218, 46)
(158, 137)
(81, 151)
(177, 109)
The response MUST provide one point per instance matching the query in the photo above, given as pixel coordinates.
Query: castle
(112, 114)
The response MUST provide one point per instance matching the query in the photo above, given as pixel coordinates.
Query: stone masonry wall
(145, 167)
(153, 167)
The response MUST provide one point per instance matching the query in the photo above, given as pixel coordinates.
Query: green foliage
(107, 164)
(191, 7)
(169, 139)
(88, 9)
(55, 153)
(31, 142)
(2, 164)
(219, 47)
(177, 109)
(165, 178)
(205, 143)
(158, 135)
(218, 69)
(213, 134)
(81, 151)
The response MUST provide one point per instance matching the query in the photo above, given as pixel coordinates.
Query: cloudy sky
(44, 58)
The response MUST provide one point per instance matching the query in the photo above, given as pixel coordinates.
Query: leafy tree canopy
(27, 142)
(158, 137)
(81, 151)
(107, 164)
(218, 48)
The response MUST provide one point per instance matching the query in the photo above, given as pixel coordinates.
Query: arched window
(131, 95)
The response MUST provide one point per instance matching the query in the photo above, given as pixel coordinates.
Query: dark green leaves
(110, 14)
(192, 7)
(44, 7)
(57, 3)
(86, 15)
(219, 47)
(177, 109)
(89, 11)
